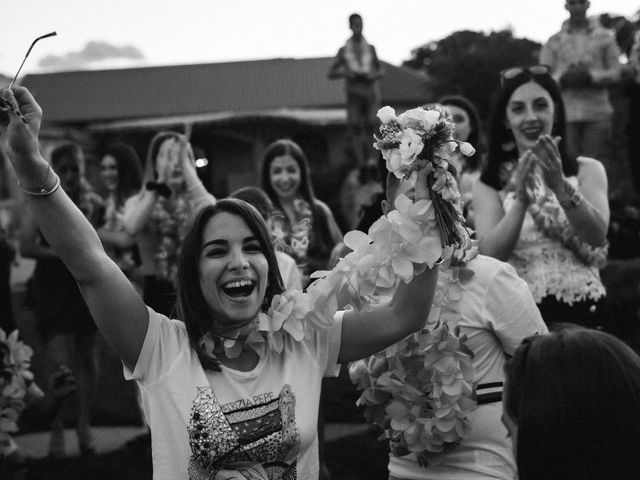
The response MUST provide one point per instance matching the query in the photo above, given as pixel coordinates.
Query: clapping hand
(548, 158)
(523, 180)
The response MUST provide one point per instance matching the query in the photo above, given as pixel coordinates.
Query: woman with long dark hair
(539, 209)
(121, 174)
(302, 225)
(232, 390)
(571, 402)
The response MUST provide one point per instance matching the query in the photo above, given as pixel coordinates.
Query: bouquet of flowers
(15, 378)
(426, 135)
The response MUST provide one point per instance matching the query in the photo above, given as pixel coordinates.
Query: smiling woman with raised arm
(539, 209)
(233, 387)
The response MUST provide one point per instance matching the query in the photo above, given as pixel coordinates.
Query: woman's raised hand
(187, 159)
(21, 138)
(548, 158)
(523, 180)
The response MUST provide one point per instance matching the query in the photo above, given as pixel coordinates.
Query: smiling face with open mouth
(233, 269)
(285, 176)
(530, 114)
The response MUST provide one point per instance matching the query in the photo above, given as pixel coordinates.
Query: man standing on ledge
(357, 62)
(583, 58)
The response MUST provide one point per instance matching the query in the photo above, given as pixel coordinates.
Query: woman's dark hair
(129, 170)
(150, 172)
(256, 197)
(574, 395)
(501, 142)
(321, 242)
(476, 137)
(192, 307)
(68, 150)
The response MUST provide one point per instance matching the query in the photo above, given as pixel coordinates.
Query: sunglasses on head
(513, 72)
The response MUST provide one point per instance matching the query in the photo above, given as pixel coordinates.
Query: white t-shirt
(289, 271)
(201, 417)
(498, 311)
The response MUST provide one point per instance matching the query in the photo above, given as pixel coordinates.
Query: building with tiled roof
(232, 110)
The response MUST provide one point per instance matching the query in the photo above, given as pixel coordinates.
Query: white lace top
(548, 267)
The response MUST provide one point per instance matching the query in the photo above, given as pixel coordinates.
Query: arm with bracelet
(585, 205)
(124, 322)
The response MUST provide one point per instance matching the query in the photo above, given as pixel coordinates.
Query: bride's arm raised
(115, 306)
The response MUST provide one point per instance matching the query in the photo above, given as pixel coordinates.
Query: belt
(489, 393)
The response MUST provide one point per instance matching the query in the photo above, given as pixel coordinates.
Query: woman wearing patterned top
(539, 209)
(157, 216)
(302, 225)
(222, 397)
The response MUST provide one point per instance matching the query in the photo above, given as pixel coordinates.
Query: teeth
(241, 283)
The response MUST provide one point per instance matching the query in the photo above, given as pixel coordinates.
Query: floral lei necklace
(15, 379)
(397, 246)
(551, 220)
(421, 389)
(170, 216)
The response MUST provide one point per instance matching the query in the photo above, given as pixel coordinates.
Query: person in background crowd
(633, 122)
(468, 129)
(7, 256)
(158, 215)
(121, 173)
(539, 208)
(62, 316)
(583, 57)
(357, 62)
(38, 409)
(247, 410)
(302, 225)
(257, 198)
(571, 405)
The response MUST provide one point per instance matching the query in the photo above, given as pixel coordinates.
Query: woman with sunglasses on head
(570, 403)
(538, 208)
(232, 390)
(62, 316)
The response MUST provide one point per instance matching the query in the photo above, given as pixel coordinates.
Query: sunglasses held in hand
(5, 106)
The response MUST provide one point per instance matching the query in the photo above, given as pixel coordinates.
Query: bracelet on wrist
(574, 197)
(42, 190)
(161, 188)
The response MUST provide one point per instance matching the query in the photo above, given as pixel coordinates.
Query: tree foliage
(469, 63)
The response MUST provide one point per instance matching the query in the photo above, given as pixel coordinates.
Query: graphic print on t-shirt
(258, 433)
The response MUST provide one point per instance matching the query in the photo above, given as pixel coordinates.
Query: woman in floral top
(302, 225)
(541, 210)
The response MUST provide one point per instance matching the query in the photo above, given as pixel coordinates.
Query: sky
(166, 32)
